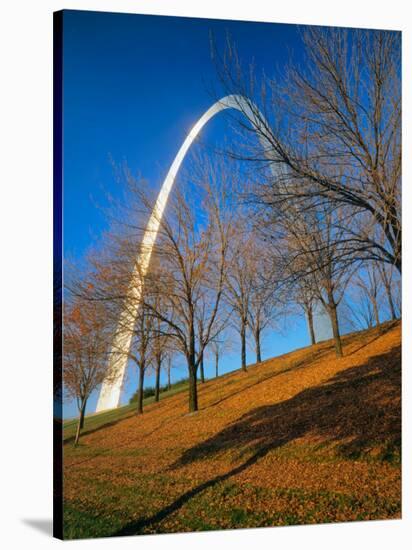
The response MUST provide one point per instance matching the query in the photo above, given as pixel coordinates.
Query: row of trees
(206, 277)
(313, 222)
(329, 186)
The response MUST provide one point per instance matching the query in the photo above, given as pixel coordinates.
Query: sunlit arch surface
(110, 392)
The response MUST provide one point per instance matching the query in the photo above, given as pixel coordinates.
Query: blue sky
(133, 87)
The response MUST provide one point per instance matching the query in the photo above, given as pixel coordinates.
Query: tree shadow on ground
(314, 354)
(132, 413)
(357, 409)
(89, 431)
(303, 363)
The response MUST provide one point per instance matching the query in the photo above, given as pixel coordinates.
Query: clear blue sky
(133, 87)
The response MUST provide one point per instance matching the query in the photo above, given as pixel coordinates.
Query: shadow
(358, 409)
(305, 362)
(44, 526)
(208, 387)
(355, 409)
(314, 353)
(164, 402)
(89, 431)
(135, 527)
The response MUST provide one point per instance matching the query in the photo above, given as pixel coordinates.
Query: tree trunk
(243, 342)
(257, 342)
(140, 390)
(83, 414)
(375, 311)
(202, 370)
(390, 301)
(193, 406)
(392, 306)
(333, 314)
(309, 313)
(387, 283)
(191, 364)
(217, 363)
(80, 423)
(157, 380)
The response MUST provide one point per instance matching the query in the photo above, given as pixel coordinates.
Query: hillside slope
(302, 438)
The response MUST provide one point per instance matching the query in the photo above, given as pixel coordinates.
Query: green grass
(98, 420)
(224, 506)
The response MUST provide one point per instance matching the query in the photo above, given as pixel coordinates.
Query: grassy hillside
(302, 438)
(96, 421)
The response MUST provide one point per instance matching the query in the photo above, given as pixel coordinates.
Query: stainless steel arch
(110, 392)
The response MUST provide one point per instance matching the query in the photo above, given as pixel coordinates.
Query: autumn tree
(86, 339)
(108, 282)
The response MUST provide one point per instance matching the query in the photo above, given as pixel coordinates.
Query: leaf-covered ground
(303, 438)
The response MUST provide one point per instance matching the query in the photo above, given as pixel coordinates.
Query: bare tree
(332, 124)
(265, 300)
(304, 296)
(218, 346)
(370, 285)
(201, 332)
(160, 344)
(142, 351)
(240, 279)
(315, 253)
(191, 251)
(388, 278)
(169, 356)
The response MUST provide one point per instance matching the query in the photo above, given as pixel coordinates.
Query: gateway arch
(110, 392)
